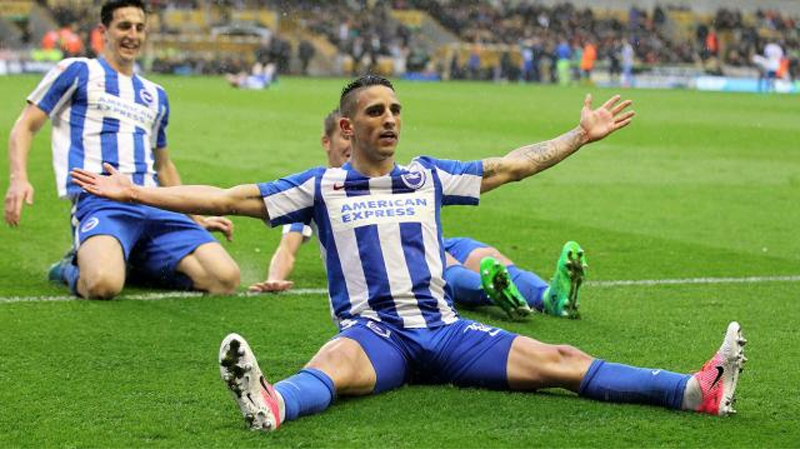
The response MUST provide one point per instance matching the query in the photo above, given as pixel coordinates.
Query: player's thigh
(366, 357)
(450, 260)
(347, 364)
(473, 261)
(210, 264)
(101, 260)
(533, 365)
(467, 354)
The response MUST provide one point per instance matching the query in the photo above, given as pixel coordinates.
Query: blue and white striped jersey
(100, 115)
(381, 237)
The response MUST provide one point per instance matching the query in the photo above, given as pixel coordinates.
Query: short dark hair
(331, 122)
(347, 101)
(107, 11)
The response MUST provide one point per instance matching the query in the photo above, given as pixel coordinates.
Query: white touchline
(321, 291)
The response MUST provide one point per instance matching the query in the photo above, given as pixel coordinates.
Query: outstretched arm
(531, 159)
(239, 200)
(281, 265)
(168, 176)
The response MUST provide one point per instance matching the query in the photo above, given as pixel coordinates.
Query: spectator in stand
(627, 64)
(305, 52)
(773, 53)
(50, 40)
(614, 63)
(96, 41)
(587, 61)
(563, 58)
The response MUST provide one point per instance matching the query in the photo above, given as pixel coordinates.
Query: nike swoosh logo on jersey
(720, 372)
(338, 186)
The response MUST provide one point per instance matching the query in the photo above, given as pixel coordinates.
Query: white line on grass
(321, 291)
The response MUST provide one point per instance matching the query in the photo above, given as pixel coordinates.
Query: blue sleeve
(460, 181)
(291, 199)
(59, 84)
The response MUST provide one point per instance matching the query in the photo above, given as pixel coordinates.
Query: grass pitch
(701, 185)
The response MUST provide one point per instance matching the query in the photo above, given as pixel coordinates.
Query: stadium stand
(471, 39)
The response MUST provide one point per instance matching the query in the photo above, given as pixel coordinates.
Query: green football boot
(561, 297)
(501, 290)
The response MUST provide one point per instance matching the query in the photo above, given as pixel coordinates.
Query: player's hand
(19, 193)
(606, 119)
(217, 224)
(271, 286)
(115, 186)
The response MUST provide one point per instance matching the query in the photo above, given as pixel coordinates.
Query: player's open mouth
(388, 136)
(129, 46)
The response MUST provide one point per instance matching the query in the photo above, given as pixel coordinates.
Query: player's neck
(123, 67)
(371, 168)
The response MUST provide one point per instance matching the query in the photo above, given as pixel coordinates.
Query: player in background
(378, 223)
(104, 113)
(478, 274)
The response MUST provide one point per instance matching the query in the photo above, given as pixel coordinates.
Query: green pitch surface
(699, 186)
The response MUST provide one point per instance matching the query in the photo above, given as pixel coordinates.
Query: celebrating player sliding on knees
(378, 223)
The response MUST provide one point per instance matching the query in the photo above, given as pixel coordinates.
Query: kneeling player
(396, 322)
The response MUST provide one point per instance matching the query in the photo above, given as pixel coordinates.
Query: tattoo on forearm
(545, 154)
(542, 155)
(530, 159)
(490, 167)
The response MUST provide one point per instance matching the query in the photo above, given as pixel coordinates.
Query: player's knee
(228, 279)
(344, 364)
(568, 354)
(101, 287)
(224, 280)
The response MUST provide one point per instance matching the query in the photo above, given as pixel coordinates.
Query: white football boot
(256, 398)
(718, 378)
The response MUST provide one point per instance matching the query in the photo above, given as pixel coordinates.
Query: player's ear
(346, 126)
(326, 143)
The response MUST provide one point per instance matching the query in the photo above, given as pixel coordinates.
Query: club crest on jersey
(90, 224)
(147, 97)
(413, 180)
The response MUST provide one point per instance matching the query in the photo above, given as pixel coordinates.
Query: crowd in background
(538, 43)
(546, 35)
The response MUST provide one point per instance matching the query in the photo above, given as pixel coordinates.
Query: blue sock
(529, 285)
(612, 382)
(307, 392)
(71, 273)
(466, 286)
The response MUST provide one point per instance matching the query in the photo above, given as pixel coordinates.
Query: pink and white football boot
(256, 398)
(718, 377)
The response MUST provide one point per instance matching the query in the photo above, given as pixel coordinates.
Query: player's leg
(533, 365)
(360, 360)
(178, 253)
(211, 269)
(104, 232)
(101, 268)
(473, 286)
(529, 285)
(464, 284)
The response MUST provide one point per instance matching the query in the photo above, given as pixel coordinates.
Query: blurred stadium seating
(472, 39)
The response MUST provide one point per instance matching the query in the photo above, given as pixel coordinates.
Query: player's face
(337, 147)
(125, 35)
(375, 128)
